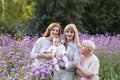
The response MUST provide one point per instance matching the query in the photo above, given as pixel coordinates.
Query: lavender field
(15, 61)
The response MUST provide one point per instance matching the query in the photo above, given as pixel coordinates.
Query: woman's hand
(39, 56)
(58, 55)
(44, 56)
(76, 63)
(79, 45)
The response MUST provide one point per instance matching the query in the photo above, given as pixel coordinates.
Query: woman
(89, 66)
(71, 38)
(43, 43)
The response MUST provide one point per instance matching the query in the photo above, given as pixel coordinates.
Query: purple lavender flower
(17, 55)
(43, 71)
(5, 67)
(43, 76)
(26, 78)
(3, 74)
(13, 69)
(3, 62)
(82, 79)
(24, 68)
(16, 75)
(11, 78)
(37, 73)
(10, 54)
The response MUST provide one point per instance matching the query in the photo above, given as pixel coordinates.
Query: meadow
(15, 61)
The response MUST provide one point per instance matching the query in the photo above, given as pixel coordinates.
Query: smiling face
(54, 31)
(87, 47)
(69, 35)
(84, 50)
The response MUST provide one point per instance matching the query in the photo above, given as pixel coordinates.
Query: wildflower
(82, 79)
(26, 78)
(11, 78)
(37, 73)
(16, 75)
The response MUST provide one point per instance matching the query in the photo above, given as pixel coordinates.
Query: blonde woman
(71, 39)
(88, 67)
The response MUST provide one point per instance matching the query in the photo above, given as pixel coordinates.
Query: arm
(35, 53)
(91, 71)
(36, 48)
(84, 71)
(76, 57)
(47, 55)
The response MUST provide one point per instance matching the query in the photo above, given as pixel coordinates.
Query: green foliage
(101, 16)
(3, 26)
(63, 12)
(109, 64)
(16, 10)
(14, 16)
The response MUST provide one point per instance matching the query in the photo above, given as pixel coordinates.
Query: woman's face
(69, 35)
(84, 50)
(54, 31)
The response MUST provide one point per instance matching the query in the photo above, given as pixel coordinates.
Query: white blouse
(91, 65)
(41, 46)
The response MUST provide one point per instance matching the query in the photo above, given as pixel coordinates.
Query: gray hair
(89, 44)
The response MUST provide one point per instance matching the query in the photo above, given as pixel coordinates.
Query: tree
(14, 12)
(102, 16)
(61, 11)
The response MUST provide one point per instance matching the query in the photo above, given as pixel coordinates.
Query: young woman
(71, 39)
(43, 43)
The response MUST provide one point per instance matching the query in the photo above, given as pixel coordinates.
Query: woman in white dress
(71, 39)
(43, 43)
(88, 67)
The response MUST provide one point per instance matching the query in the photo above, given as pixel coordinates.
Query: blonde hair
(89, 45)
(50, 27)
(73, 28)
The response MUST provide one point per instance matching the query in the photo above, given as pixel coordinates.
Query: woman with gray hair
(88, 66)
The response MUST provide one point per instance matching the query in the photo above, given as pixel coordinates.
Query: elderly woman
(88, 66)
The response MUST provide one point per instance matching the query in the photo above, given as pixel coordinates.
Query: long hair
(50, 27)
(75, 30)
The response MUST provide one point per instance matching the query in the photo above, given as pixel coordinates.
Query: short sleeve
(94, 67)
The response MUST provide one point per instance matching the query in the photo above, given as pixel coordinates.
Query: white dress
(91, 65)
(41, 46)
(60, 49)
